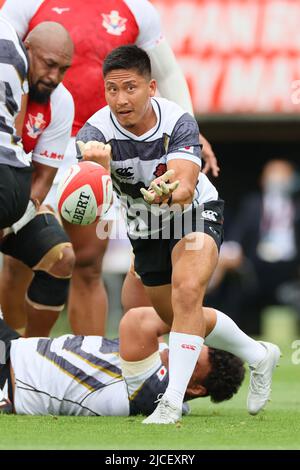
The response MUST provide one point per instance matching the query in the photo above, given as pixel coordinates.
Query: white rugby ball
(84, 193)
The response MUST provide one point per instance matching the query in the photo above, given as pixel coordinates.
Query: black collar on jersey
(119, 128)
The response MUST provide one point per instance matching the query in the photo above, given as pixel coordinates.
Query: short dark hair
(226, 376)
(128, 57)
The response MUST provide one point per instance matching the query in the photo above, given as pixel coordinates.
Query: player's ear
(27, 44)
(152, 87)
(196, 391)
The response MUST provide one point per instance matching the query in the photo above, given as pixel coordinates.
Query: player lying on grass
(96, 376)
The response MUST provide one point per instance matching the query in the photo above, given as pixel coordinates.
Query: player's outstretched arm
(161, 189)
(176, 186)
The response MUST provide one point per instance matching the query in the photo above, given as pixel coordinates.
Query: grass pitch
(209, 426)
(224, 426)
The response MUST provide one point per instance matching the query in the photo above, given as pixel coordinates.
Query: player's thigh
(15, 186)
(194, 259)
(14, 271)
(133, 292)
(88, 247)
(38, 241)
(160, 297)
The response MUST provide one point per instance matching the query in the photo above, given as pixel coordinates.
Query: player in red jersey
(97, 27)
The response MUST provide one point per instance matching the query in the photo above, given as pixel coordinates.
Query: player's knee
(47, 292)
(90, 256)
(88, 264)
(64, 266)
(186, 291)
(135, 315)
(132, 320)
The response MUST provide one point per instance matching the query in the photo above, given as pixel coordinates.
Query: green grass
(223, 426)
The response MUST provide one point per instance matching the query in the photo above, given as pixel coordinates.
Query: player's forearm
(42, 180)
(183, 195)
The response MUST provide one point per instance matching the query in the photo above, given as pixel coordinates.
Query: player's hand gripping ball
(84, 193)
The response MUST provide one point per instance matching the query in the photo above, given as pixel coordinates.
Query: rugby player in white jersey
(96, 28)
(38, 240)
(174, 216)
(96, 376)
(15, 171)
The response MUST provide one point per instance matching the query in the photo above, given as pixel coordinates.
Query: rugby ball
(84, 193)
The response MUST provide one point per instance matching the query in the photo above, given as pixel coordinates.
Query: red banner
(237, 55)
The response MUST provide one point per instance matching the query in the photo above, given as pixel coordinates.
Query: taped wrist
(47, 292)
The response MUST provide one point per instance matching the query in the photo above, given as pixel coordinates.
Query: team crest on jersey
(35, 125)
(160, 169)
(114, 23)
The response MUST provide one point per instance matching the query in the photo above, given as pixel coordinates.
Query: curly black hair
(226, 376)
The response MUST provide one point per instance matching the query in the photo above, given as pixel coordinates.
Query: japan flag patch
(188, 148)
(161, 373)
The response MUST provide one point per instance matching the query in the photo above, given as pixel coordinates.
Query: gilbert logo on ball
(84, 193)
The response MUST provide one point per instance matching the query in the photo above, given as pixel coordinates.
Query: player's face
(46, 71)
(128, 95)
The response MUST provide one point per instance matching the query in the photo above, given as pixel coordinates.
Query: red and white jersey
(47, 127)
(96, 27)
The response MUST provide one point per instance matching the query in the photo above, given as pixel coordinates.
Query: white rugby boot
(261, 379)
(186, 410)
(164, 413)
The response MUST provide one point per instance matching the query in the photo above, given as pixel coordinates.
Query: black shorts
(152, 260)
(34, 240)
(7, 334)
(15, 186)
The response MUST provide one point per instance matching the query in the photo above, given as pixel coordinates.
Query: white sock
(227, 336)
(184, 351)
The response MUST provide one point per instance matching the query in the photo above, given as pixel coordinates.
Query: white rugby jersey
(47, 127)
(137, 160)
(13, 84)
(80, 375)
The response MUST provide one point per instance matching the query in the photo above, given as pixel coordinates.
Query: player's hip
(153, 254)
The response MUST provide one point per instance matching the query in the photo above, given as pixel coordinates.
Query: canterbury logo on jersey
(188, 346)
(114, 23)
(210, 215)
(125, 172)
